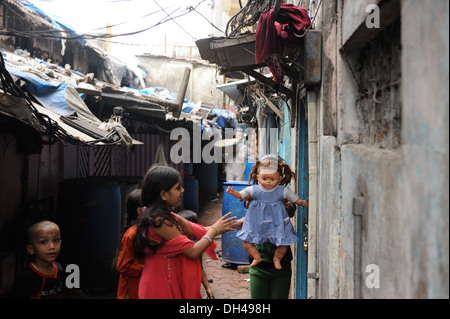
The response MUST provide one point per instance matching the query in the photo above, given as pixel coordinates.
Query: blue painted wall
(285, 150)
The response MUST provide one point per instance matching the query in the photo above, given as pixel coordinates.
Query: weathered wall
(329, 224)
(425, 135)
(374, 176)
(389, 160)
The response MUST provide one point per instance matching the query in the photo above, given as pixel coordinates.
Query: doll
(267, 218)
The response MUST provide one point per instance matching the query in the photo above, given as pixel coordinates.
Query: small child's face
(45, 243)
(269, 181)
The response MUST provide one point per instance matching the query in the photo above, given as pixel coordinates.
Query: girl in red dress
(172, 267)
(128, 267)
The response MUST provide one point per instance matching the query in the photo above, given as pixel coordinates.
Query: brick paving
(226, 283)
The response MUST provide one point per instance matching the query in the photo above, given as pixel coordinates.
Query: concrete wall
(384, 183)
(329, 224)
(202, 82)
(425, 134)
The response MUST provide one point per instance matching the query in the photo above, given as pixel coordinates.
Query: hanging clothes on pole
(275, 33)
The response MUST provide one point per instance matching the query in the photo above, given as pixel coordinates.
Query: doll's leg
(279, 254)
(253, 251)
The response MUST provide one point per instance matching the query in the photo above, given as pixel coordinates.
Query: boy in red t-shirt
(43, 278)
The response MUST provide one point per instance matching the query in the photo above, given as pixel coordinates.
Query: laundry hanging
(273, 34)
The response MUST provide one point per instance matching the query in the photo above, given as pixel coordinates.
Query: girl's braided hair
(283, 168)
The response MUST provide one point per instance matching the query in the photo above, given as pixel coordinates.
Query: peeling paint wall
(384, 182)
(378, 108)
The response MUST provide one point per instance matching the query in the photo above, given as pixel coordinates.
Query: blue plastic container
(233, 250)
(89, 216)
(190, 195)
(208, 181)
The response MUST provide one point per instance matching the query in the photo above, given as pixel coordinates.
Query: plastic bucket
(233, 250)
(208, 181)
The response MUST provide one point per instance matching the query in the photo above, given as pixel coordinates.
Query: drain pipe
(313, 209)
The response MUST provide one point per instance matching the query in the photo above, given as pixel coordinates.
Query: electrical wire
(73, 35)
(49, 34)
(105, 27)
(247, 16)
(175, 21)
(52, 131)
(62, 34)
(208, 20)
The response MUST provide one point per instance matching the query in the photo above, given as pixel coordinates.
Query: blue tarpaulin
(223, 116)
(50, 94)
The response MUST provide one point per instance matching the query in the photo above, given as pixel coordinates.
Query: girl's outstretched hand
(225, 224)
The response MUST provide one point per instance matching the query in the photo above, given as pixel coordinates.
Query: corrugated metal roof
(143, 157)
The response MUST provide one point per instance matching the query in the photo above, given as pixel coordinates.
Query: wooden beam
(274, 108)
(271, 105)
(93, 92)
(182, 92)
(269, 82)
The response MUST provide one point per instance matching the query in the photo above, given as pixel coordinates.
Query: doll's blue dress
(267, 219)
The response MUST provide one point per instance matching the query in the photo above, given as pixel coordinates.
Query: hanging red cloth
(272, 35)
(168, 274)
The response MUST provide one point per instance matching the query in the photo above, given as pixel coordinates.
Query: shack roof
(51, 86)
(52, 98)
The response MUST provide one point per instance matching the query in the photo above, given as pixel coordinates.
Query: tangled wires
(50, 132)
(247, 16)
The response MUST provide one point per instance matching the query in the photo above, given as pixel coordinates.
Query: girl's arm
(222, 225)
(184, 224)
(126, 264)
(168, 231)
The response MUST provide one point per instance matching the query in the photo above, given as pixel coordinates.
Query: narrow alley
(340, 107)
(227, 283)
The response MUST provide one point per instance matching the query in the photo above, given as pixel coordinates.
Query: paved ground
(226, 283)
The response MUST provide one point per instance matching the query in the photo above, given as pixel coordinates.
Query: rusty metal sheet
(234, 53)
(313, 58)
